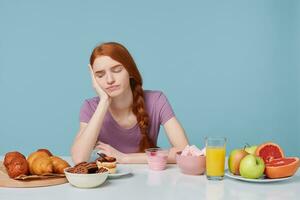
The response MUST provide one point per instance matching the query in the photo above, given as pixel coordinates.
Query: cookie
(71, 170)
(92, 167)
(81, 164)
(80, 170)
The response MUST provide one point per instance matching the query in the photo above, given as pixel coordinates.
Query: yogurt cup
(157, 158)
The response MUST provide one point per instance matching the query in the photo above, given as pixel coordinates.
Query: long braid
(142, 117)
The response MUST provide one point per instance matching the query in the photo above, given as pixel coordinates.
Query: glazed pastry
(17, 166)
(108, 162)
(46, 151)
(59, 164)
(33, 156)
(41, 165)
(10, 156)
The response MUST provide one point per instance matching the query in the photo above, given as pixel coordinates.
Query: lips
(113, 87)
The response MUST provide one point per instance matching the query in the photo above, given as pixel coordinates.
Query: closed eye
(100, 74)
(117, 68)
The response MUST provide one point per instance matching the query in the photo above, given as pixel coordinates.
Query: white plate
(121, 171)
(260, 180)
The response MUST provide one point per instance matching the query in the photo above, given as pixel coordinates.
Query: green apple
(252, 166)
(234, 160)
(250, 149)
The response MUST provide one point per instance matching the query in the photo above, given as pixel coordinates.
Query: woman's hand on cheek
(101, 93)
(110, 151)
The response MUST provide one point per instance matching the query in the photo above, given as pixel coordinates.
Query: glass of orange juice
(215, 157)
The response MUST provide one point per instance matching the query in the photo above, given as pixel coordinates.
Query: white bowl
(86, 180)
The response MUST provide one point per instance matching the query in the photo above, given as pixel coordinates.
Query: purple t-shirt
(127, 140)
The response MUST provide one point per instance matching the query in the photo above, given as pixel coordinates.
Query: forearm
(139, 158)
(86, 140)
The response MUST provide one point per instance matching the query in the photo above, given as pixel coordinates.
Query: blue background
(229, 68)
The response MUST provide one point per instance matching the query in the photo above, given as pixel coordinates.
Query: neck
(122, 103)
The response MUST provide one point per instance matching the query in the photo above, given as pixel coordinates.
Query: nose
(110, 79)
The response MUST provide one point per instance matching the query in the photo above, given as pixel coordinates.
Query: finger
(100, 148)
(103, 146)
(102, 143)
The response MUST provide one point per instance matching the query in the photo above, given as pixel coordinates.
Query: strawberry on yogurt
(157, 158)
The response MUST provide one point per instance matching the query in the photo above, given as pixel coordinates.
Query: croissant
(17, 166)
(10, 156)
(46, 151)
(41, 165)
(59, 164)
(33, 156)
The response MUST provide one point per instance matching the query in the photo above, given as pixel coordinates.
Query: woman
(123, 120)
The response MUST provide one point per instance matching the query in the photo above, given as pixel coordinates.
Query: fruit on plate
(234, 160)
(282, 167)
(250, 149)
(269, 151)
(252, 167)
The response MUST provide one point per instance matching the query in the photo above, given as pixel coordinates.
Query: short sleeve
(86, 112)
(164, 109)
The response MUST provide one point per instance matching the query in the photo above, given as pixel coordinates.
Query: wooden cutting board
(6, 181)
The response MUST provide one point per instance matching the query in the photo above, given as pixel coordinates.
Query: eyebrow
(101, 71)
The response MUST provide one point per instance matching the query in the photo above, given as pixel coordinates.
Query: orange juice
(215, 161)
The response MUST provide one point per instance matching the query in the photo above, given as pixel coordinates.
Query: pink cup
(193, 165)
(157, 158)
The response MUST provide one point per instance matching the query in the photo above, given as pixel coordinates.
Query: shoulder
(155, 98)
(153, 95)
(91, 102)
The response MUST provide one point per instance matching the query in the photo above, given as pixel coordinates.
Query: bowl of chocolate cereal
(86, 175)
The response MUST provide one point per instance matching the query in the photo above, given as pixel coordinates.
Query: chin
(115, 93)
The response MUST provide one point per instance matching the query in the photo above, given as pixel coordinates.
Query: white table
(168, 184)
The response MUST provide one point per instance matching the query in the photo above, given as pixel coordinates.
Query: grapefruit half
(282, 167)
(269, 151)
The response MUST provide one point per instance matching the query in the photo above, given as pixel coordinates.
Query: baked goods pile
(40, 162)
(107, 162)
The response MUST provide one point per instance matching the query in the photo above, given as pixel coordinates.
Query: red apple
(234, 160)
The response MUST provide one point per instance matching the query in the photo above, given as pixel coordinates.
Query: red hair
(119, 53)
